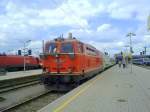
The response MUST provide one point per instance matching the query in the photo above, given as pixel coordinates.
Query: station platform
(20, 74)
(114, 90)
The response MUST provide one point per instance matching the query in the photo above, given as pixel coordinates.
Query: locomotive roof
(90, 46)
(71, 40)
(62, 40)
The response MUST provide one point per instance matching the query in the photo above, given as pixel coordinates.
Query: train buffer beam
(115, 90)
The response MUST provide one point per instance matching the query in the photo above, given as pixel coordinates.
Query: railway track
(16, 96)
(18, 82)
(13, 87)
(13, 106)
(32, 102)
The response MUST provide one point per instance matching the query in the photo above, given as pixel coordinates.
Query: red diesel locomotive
(69, 61)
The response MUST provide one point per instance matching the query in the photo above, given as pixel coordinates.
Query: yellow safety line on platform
(65, 103)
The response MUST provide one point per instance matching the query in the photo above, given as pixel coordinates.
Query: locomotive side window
(80, 48)
(52, 48)
(91, 51)
(67, 48)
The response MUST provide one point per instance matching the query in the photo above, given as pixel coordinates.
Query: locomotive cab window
(52, 48)
(67, 48)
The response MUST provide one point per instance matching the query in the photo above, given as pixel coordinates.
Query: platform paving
(20, 74)
(115, 90)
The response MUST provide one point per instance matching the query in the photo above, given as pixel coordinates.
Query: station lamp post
(24, 59)
(126, 48)
(145, 50)
(148, 23)
(147, 43)
(130, 34)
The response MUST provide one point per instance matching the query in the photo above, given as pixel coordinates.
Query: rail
(5, 109)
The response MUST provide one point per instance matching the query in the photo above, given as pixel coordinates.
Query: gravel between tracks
(18, 95)
(38, 103)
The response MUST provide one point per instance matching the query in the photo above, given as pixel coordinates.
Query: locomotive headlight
(70, 69)
(56, 55)
(45, 70)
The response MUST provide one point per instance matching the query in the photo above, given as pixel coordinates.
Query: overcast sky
(102, 23)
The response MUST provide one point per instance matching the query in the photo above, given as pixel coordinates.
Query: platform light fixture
(148, 23)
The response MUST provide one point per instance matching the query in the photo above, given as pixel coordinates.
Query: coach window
(67, 48)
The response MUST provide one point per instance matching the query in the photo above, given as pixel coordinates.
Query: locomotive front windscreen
(67, 48)
(52, 48)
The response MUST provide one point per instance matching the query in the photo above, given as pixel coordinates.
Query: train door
(81, 57)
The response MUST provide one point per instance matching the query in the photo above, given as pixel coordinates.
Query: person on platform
(124, 62)
(120, 60)
(127, 61)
